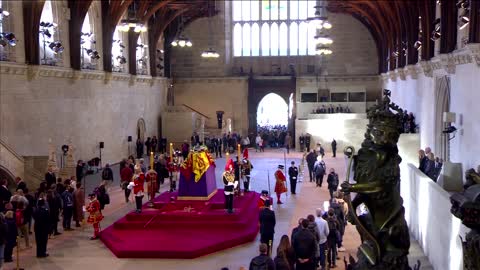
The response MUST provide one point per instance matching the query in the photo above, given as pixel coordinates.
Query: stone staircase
(11, 162)
(30, 169)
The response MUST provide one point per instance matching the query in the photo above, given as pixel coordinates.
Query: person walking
(107, 176)
(319, 170)
(334, 148)
(12, 233)
(332, 238)
(288, 142)
(3, 238)
(126, 175)
(22, 223)
(311, 159)
(68, 206)
(323, 232)
(79, 203)
(41, 227)
(332, 181)
(267, 225)
(292, 175)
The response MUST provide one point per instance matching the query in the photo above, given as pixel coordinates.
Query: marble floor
(73, 250)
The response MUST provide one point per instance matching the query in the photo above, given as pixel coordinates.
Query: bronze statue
(383, 229)
(466, 206)
(472, 177)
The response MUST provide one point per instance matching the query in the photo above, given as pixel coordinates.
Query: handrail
(18, 156)
(195, 111)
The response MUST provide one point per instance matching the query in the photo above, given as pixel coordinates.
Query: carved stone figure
(383, 229)
(52, 156)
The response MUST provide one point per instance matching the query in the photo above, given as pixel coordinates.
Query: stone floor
(74, 250)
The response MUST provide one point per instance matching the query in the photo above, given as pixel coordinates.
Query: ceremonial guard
(263, 197)
(137, 185)
(246, 169)
(293, 174)
(230, 185)
(152, 183)
(174, 169)
(280, 182)
(95, 215)
(237, 169)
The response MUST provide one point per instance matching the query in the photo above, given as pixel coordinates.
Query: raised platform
(183, 229)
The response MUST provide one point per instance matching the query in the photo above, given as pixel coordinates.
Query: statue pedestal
(204, 189)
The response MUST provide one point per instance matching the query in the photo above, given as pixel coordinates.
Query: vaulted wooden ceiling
(397, 24)
(394, 24)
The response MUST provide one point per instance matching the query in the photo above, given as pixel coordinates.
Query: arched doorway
(272, 111)
(141, 129)
(5, 174)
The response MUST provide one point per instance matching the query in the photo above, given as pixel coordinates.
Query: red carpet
(183, 229)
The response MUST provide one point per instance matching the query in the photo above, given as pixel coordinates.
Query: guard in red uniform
(280, 183)
(174, 169)
(151, 183)
(263, 197)
(137, 185)
(95, 215)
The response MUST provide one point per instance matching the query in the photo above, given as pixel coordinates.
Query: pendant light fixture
(181, 40)
(132, 22)
(322, 24)
(210, 53)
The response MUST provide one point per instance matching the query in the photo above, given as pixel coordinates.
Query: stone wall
(208, 95)
(414, 89)
(345, 130)
(38, 103)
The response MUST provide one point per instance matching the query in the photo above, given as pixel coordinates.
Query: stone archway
(141, 129)
(272, 110)
(260, 87)
(5, 174)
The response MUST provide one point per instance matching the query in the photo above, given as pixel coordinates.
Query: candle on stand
(238, 147)
(171, 150)
(227, 156)
(151, 160)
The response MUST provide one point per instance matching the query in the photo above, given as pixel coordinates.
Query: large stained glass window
(273, 27)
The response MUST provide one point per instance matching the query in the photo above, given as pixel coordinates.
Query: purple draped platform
(202, 189)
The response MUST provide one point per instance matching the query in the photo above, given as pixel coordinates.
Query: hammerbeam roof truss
(394, 24)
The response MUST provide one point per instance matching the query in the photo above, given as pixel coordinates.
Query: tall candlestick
(171, 150)
(151, 160)
(238, 147)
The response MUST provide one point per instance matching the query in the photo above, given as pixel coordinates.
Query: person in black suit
(50, 177)
(293, 174)
(307, 142)
(334, 148)
(42, 228)
(267, 225)
(20, 184)
(5, 194)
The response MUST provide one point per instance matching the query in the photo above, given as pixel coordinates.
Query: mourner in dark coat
(267, 224)
(292, 175)
(42, 228)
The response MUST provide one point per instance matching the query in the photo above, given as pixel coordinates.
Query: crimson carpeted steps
(183, 229)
